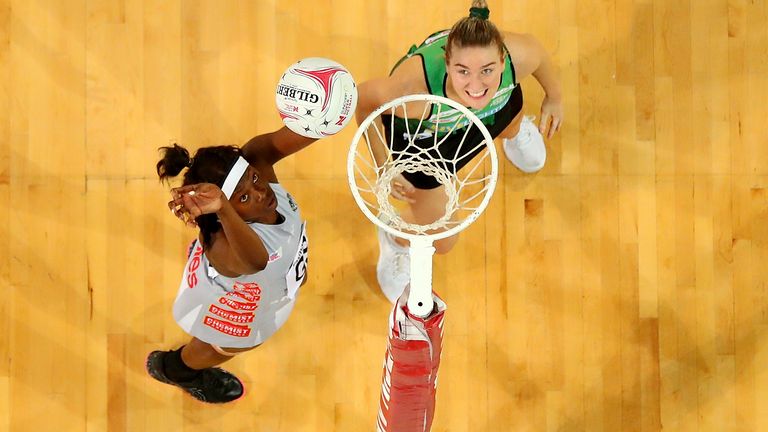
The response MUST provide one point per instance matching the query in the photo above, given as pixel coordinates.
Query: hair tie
(476, 12)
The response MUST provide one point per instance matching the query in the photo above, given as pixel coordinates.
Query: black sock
(175, 369)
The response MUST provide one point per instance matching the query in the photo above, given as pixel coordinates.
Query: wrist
(226, 209)
(553, 94)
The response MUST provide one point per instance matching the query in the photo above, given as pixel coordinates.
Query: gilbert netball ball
(316, 97)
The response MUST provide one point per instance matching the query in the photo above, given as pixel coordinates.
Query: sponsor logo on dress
(450, 119)
(275, 255)
(238, 305)
(235, 317)
(194, 264)
(436, 36)
(419, 136)
(227, 328)
(252, 298)
(247, 286)
(291, 202)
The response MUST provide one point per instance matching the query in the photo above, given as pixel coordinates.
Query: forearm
(271, 147)
(364, 104)
(246, 246)
(546, 75)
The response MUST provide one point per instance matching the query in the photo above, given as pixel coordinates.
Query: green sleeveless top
(432, 53)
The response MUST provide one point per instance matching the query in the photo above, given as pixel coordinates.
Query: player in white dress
(244, 271)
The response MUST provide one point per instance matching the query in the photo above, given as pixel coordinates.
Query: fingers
(183, 211)
(544, 123)
(400, 196)
(549, 124)
(175, 210)
(190, 204)
(556, 122)
(402, 192)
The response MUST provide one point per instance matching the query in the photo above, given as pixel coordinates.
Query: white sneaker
(526, 151)
(393, 270)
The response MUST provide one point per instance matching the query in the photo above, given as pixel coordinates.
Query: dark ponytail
(209, 165)
(175, 159)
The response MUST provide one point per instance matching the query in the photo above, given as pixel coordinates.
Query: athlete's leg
(393, 266)
(200, 355)
(191, 369)
(513, 128)
(427, 207)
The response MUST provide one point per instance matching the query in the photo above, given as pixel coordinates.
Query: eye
(255, 178)
(244, 198)
(463, 72)
(487, 71)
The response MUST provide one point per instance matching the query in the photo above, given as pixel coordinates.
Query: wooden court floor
(622, 288)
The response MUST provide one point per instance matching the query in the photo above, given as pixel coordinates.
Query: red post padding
(409, 379)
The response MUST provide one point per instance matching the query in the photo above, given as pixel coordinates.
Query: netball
(316, 97)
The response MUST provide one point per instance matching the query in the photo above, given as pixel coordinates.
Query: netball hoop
(372, 165)
(468, 174)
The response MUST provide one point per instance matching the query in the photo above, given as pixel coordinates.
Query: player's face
(475, 74)
(253, 199)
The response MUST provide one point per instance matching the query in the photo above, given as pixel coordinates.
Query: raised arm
(271, 147)
(530, 58)
(408, 78)
(263, 151)
(237, 247)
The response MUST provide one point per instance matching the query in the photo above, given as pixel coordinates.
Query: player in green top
(480, 67)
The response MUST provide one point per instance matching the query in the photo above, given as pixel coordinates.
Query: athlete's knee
(445, 245)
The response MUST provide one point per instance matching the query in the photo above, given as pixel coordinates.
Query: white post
(420, 301)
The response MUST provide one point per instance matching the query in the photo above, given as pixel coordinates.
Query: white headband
(234, 176)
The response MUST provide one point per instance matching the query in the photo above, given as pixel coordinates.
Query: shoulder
(525, 51)
(410, 75)
(520, 44)
(513, 38)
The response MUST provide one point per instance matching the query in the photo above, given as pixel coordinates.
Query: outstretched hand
(402, 189)
(189, 202)
(551, 116)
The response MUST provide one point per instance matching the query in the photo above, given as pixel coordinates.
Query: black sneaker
(213, 385)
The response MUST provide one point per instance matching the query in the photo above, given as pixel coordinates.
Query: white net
(459, 158)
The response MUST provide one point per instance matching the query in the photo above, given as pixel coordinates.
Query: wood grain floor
(622, 288)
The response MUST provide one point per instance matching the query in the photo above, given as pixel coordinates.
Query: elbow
(256, 267)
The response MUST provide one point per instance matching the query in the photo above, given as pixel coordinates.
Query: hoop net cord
(429, 161)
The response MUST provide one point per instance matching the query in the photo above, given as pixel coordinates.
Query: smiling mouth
(476, 95)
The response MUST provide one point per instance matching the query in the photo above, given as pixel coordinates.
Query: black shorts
(450, 146)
